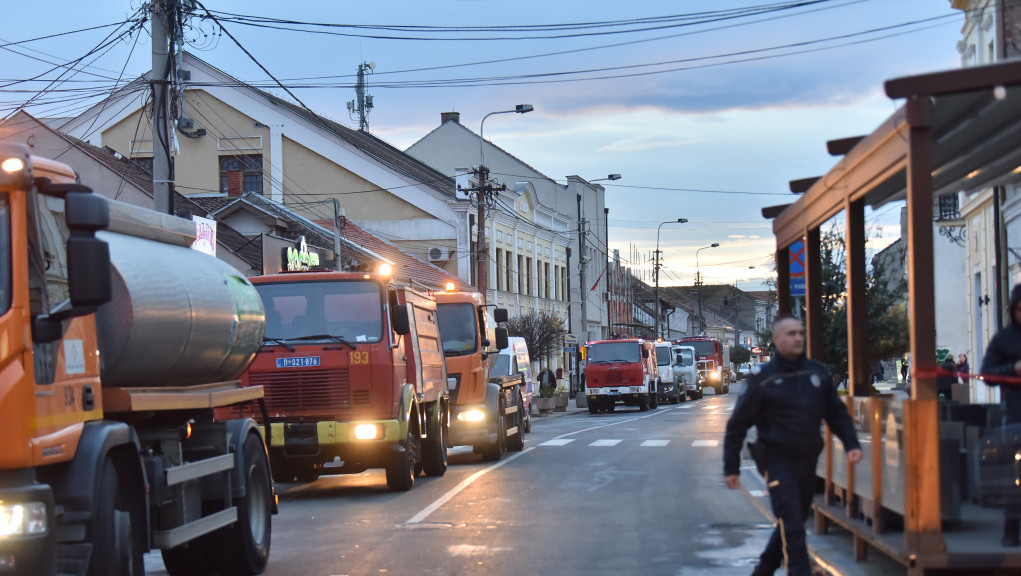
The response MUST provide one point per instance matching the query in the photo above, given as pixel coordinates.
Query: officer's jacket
(787, 402)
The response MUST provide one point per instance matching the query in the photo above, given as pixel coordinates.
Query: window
(6, 270)
(521, 274)
(250, 167)
(529, 277)
(143, 163)
(545, 280)
(499, 269)
(509, 270)
(948, 207)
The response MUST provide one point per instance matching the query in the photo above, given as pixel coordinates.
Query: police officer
(786, 401)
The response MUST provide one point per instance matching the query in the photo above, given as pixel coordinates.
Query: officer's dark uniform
(786, 401)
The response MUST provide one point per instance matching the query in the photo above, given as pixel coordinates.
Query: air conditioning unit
(439, 254)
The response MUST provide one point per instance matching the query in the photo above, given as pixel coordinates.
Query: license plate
(614, 392)
(299, 362)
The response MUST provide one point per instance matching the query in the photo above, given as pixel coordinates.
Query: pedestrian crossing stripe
(608, 442)
(655, 443)
(557, 442)
(709, 443)
(605, 442)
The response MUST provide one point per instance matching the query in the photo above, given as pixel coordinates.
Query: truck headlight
(22, 518)
(368, 432)
(472, 415)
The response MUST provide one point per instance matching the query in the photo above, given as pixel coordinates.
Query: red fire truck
(353, 373)
(713, 360)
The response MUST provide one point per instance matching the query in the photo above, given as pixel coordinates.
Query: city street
(628, 492)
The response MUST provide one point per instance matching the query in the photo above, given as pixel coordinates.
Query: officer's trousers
(791, 487)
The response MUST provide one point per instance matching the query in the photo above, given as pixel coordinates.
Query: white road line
(709, 443)
(457, 489)
(656, 413)
(655, 443)
(557, 442)
(607, 442)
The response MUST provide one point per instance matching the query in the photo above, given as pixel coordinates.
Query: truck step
(166, 539)
(199, 469)
(512, 431)
(510, 410)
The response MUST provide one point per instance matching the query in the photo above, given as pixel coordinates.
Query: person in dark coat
(786, 401)
(963, 369)
(1001, 366)
(946, 377)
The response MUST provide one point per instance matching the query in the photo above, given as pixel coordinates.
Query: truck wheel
(593, 408)
(643, 403)
(495, 450)
(308, 473)
(115, 520)
(242, 549)
(516, 442)
(400, 473)
(434, 450)
(654, 399)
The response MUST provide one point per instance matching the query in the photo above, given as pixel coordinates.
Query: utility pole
(162, 22)
(362, 102)
(581, 273)
(483, 191)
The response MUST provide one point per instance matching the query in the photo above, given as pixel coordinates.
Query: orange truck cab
(103, 461)
(621, 371)
(488, 411)
(353, 373)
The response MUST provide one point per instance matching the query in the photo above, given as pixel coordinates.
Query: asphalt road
(624, 493)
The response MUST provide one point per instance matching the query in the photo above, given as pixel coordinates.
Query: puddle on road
(734, 547)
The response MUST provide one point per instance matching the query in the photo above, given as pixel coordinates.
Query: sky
(706, 108)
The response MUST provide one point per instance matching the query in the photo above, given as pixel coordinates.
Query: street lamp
(658, 228)
(484, 189)
(608, 177)
(698, 284)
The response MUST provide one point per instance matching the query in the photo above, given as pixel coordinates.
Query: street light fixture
(658, 228)
(608, 177)
(483, 189)
(698, 284)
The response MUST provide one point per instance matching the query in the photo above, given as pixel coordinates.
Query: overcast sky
(706, 107)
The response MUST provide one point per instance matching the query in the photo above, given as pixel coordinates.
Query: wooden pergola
(957, 130)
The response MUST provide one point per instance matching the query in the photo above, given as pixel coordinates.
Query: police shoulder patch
(815, 380)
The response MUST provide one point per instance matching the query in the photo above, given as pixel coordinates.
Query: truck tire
(495, 450)
(654, 398)
(643, 403)
(115, 520)
(242, 549)
(188, 559)
(593, 408)
(400, 472)
(434, 450)
(516, 441)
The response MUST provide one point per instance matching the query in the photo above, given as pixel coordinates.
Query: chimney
(235, 183)
(448, 116)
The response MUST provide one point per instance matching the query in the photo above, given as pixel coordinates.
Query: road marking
(655, 443)
(758, 493)
(557, 442)
(656, 413)
(457, 489)
(607, 442)
(709, 443)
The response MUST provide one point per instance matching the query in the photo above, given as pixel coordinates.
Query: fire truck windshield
(5, 254)
(615, 352)
(459, 328)
(351, 310)
(703, 348)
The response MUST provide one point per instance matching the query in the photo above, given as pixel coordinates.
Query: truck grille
(614, 377)
(307, 391)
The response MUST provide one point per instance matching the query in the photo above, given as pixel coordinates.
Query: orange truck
(117, 341)
(353, 374)
(488, 412)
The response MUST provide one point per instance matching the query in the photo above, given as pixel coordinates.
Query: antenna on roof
(362, 103)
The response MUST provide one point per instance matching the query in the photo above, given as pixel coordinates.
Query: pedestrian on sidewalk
(787, 401)
(547, 382)
(963, 369)
(946, 377)
(1001, 366)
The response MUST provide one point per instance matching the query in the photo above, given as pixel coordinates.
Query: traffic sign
(796, 267)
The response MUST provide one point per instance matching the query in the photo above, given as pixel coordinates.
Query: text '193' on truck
(489, 409)
(117, 341)
(354, 377)
(621, 371)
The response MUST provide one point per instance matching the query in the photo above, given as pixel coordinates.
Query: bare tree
(543, 333)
